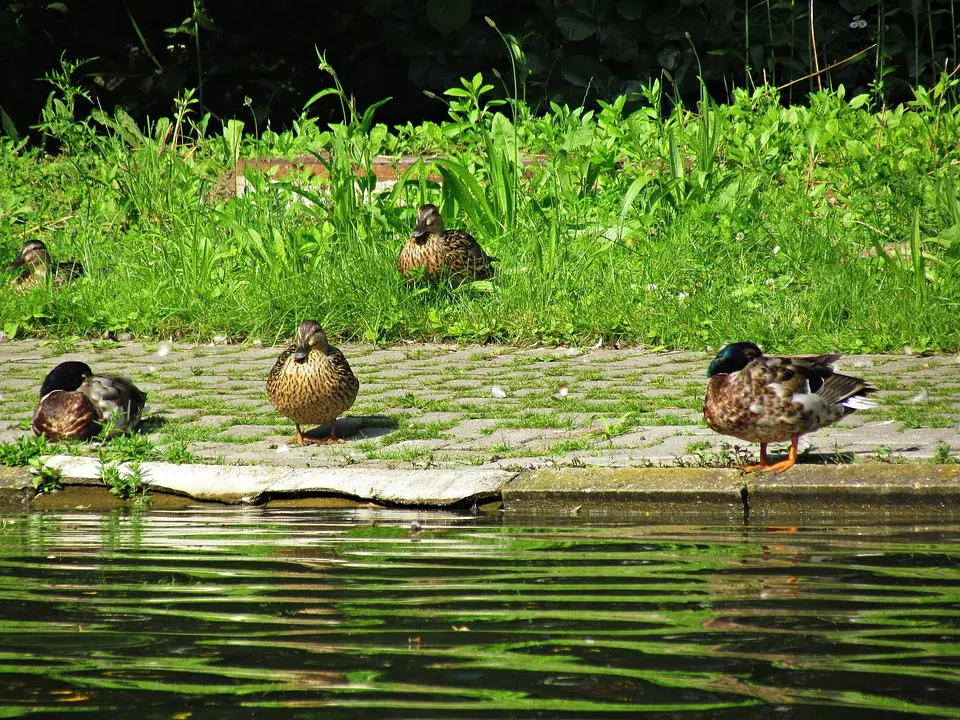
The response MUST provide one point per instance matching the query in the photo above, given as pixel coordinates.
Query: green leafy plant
(45, 479)
(24, 450)
(125, 484)
(942, 455)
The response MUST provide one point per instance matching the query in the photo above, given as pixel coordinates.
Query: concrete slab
(253, 484)
(875, 486)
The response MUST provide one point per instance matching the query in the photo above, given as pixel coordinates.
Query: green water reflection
(361, 613)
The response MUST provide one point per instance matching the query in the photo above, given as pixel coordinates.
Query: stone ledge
(258, 483)
(868, 488)
(875, 485)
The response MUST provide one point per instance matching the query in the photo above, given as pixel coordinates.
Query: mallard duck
(312, 383)
(443, 253)
(75, 403)
(772, 399)
(35, 259)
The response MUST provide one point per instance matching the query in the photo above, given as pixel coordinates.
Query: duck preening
(76, 404)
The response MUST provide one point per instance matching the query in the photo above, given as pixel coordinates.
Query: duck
(764, 399)
(454, 254)
(34, 258)
(75, 404)
(312, 383)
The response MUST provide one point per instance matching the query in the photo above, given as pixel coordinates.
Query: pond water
(354, 613)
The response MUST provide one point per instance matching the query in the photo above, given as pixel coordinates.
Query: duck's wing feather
(796, 379)
(345, 382)
(117, 399)
(463, 251)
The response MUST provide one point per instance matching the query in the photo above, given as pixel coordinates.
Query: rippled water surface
(378, 614)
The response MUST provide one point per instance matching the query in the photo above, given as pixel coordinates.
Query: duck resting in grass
(34, 258)
(454, 254)
(765, 399)
(312, 383)
(75, 404)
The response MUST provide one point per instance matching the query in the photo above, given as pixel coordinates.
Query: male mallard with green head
(772, 399)
(443, 253)
(34, 258)
(312, 383)
(75, 403)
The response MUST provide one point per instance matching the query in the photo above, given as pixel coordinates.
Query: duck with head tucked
(437, 252)
(34, 258)
(312, 383)
(75, 404)
(765, 399)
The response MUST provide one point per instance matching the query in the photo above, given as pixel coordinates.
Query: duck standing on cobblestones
(772, 399)
(312, 383)
(34, 258)
(443, 253)
(75, 404)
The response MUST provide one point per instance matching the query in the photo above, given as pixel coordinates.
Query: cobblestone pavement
(427, 405)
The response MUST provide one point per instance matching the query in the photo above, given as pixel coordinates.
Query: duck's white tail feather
(858, 402)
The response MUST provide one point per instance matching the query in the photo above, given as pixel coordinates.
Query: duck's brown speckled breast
(315, 391)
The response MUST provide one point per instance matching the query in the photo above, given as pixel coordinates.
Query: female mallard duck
(312, 383)
(772, 399)
(75, 403)
(35, 261)
(443, 253)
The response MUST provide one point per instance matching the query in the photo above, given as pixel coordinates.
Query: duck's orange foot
(762, 465)
(781, 466)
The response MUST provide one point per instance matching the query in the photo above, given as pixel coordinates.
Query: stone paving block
(643, 436)
(158, 410)
(21, 384)
(213, 421)
(512, 437)
(470, 428)
(435, 417)
(243, 431)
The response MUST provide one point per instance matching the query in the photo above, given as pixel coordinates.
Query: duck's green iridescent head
(733, 357)
(66, 376)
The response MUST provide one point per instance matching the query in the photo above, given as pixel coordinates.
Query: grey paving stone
(242, 431)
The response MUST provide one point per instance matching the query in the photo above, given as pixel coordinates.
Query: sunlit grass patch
(536, 420)
(665, 230)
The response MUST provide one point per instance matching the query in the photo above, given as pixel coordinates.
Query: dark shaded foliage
(255, 57)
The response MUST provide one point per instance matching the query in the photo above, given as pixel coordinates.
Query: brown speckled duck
(443, 253)
(75, 403)
(312, 383)
(34, 258)
(772, 399)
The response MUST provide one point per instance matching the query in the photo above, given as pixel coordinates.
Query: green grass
(536, 420)
(833, 226)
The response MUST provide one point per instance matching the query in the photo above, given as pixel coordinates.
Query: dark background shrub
(260, 57)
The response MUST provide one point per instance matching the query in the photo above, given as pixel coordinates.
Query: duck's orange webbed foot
(789, 462)
(762, 465)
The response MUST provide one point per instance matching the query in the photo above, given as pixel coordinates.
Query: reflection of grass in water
(365, 612)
